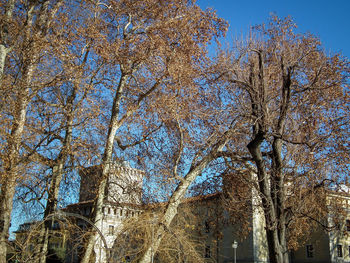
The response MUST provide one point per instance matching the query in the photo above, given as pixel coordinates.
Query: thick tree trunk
(275, 250)
(272, 191)
(10, 174)
(106, 161)
(4, 45)
(275, 232)
(276, 239)
(10, 164)
(23, 95)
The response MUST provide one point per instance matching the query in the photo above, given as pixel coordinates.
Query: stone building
(219, 235)
(123, 200)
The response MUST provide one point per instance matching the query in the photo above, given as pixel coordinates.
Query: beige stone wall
(251, 248)
(342, 238)
(111, 225)
(258, 230)
(321, 253)
(124, 184)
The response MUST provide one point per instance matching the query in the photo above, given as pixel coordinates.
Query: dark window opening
(110, 230)
(348, 225)
(309, 251)
(207, 251)
(207, 227)
(339, 251)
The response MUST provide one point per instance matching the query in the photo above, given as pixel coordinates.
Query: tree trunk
(4, 46)
(8, 178)
(106, 161)
(10, 164)
(51, 207)
(10, 174)
(57, 174)
(175, 200)
(272, 194)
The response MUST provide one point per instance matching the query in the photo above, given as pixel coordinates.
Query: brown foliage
(179, 243)
(292, 99)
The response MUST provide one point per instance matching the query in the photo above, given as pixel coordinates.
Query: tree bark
(4, 45)
(272, 195)
(106, 161)
(176, 199)
(22, 98)
(10, 164)
(57, 174)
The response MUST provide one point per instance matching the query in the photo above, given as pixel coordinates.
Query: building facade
(123, 200)
(223, 241)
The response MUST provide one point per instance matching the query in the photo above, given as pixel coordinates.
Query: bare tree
(293, 99)
(180, 243)
(148, 48)
(63, 235)
(23, 46)
(63, 111)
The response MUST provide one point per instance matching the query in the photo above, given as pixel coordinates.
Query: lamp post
(152, 256)
(153, 222)
(234, 246)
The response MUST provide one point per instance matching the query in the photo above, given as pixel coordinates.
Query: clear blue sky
(327, 19)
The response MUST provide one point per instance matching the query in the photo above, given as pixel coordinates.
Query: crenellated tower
(124, 184)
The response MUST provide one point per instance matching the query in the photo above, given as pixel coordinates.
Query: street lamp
(234, 246)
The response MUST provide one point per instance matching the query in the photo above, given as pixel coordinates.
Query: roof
(199, 198)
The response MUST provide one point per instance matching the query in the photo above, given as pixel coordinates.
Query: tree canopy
(88, 83)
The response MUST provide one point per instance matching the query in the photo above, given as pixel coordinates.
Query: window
(87, 211)
(309, 251)
(121, 212)
(339, 251)
(109, 210)
(347, 225)
(207, 251)
(110, 230)
(115, 211)
(207, 227)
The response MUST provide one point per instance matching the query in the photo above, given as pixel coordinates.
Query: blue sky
(327, 19)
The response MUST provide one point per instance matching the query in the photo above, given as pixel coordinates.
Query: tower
(124, 184)
(123, 199)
